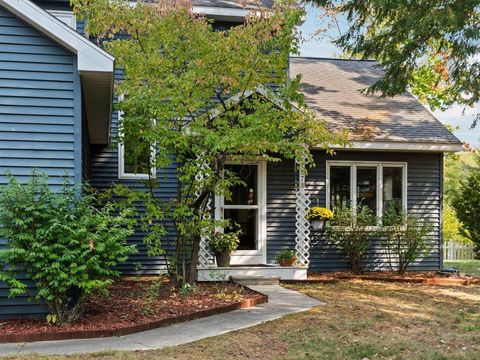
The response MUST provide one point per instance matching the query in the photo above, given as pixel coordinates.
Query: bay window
(377, 185)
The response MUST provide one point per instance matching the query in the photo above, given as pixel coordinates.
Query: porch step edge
(255, 279)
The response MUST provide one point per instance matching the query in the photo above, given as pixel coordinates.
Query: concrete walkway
(281, 302)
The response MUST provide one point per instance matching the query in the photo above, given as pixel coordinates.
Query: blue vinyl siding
(423, 195)
(40, 118)
(281, 207)
(104, 172)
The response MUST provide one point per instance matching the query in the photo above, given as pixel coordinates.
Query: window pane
(244, 194)
(367, 187)
(136, 158)
(246, 221)
(339, 187)
(392, 189)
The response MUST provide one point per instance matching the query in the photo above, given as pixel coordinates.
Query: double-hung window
(136, 158)
(376, 185)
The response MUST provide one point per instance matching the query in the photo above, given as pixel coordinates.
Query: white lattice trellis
(204, 257)
(302, 231)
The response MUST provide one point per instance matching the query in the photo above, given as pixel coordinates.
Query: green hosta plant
(222, 242)
(62, 242)
(285, 254)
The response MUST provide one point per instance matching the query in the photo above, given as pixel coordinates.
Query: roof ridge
(331, 58)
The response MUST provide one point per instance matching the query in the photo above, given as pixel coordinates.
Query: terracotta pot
(223, 259)
(318, 224)
(286, 262)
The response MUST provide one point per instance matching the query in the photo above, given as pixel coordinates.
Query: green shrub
(353, 233)
(61, 241)
(406, 239)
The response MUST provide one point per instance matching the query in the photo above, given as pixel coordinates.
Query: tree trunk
(178, 260)
(193, 268)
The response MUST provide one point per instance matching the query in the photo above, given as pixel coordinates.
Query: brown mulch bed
(130, 306)
(427, 277)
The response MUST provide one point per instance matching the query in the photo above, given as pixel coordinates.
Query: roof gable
(95, 66)
(90, 57)
(332, 87)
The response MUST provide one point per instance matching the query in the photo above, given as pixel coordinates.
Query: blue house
(56, 94)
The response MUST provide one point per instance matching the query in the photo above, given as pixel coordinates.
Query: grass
(362, 320)
(469, 267)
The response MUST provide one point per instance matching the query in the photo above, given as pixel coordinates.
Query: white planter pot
(318, 224)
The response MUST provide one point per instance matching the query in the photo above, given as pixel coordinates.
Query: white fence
(457, 251)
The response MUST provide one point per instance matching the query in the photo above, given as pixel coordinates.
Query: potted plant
(318, 215)
(286, 257)
(222, 245)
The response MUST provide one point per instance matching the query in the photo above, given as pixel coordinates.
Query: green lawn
(362, 320)
(470, 267)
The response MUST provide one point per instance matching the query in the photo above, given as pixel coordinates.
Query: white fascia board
(91, 58)
(230, 14)
(399, 146)
(222, 13)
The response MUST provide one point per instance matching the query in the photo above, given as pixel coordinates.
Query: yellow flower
(319, 213)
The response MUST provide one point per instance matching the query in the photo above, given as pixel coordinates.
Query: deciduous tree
(202, 97)
(467, 204)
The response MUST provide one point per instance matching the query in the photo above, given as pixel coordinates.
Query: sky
(321, 46)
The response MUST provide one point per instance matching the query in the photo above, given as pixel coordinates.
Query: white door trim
(259, 256)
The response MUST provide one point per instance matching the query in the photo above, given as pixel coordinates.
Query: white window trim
(250, 256)
(353, 165)
(121, 159)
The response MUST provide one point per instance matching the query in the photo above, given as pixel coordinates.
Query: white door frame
(259, 256)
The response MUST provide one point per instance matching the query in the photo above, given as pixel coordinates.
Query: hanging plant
(318, 215)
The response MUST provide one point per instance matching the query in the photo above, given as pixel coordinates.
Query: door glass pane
(339, 187)
(392, 189)
(246, 221)
(367, 187)
(243, 194)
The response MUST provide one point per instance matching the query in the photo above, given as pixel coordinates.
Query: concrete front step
(255, 280)
(225, 273)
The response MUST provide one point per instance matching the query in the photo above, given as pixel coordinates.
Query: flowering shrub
(319, 213)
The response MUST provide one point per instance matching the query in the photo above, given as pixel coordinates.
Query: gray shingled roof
(230, 3)
(332, 88)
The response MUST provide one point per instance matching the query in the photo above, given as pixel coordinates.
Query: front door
(247, 211)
